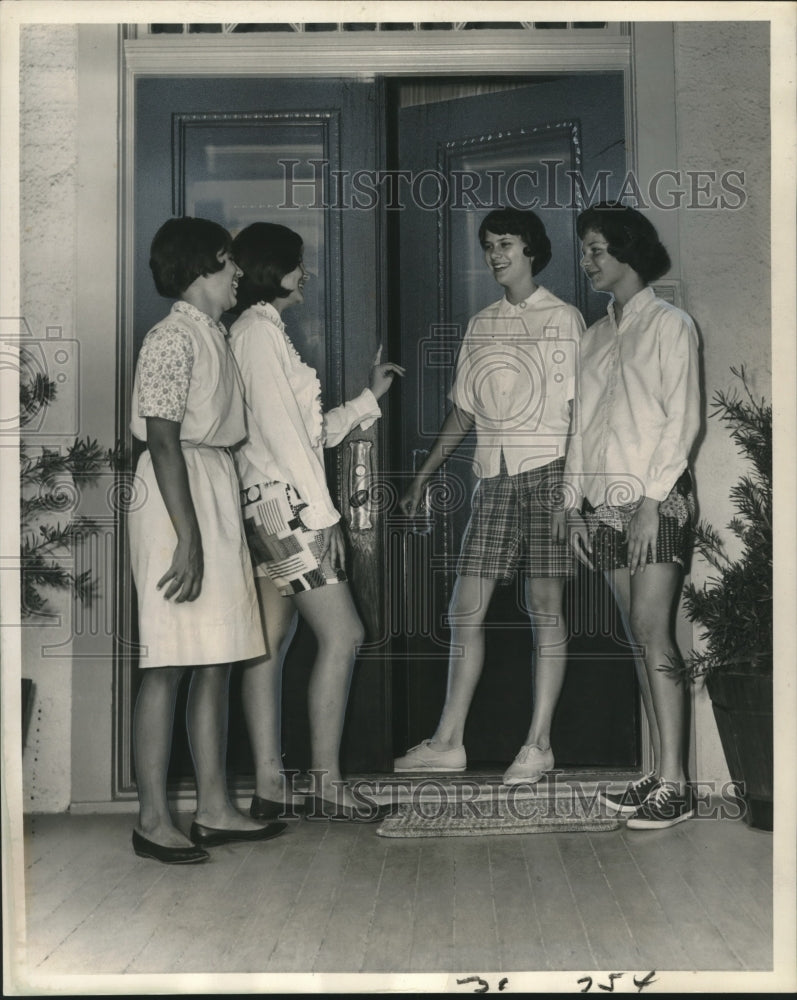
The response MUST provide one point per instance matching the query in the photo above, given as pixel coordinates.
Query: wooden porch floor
(338, 898)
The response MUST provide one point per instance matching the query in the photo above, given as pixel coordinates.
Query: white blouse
(516, 375)
(185, 373)
(639, 403)
(286, 427)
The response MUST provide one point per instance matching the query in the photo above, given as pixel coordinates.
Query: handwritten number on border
(639, 983)
(484, 986)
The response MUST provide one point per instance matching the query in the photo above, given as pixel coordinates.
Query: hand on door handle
(415, 504)
(415, 501)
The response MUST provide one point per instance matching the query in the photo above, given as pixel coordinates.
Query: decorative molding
(167, 29)
(368, 54)
(328, 121)
(123, 780)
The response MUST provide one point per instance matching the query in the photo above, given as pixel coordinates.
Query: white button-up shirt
(286, 428)
(638, 409)
(515, 376)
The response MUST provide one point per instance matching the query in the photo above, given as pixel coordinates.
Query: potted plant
(733, 610)
(49, 526)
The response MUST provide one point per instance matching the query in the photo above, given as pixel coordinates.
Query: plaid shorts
(510, 526)
(282, 548)
(607, 528)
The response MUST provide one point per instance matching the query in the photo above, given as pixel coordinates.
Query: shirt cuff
(367, 409)
(655, 491)
(316, 516)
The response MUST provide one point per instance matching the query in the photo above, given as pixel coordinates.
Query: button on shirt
(638, 403)
(515, 376)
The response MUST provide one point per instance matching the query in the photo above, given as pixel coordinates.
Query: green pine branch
(34, 394)
(733, 608)
(42, 494)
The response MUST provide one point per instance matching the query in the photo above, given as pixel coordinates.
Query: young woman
(196, 598)
(639, 401)
(520, 407)
(291, 524)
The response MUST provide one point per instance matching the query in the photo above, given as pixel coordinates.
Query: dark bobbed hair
(632, 238)
(526, 225)
(265, 252)
(183, 250)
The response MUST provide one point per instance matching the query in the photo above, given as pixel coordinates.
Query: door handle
(360, 485)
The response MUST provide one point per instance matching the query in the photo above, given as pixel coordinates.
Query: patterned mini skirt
(282, 548)
(608, 527)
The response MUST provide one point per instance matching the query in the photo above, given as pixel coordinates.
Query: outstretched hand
(382, 377)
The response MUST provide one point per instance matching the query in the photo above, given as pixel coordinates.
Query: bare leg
(331, 614)
(207, 714)
(261, 690)
(467, 612)
(550, 658)
(653, 594)
(620, 582)
(152, 736)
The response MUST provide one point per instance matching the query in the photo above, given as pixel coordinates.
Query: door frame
(642, 52)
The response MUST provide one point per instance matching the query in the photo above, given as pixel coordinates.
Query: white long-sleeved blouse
(638, 403)
(287, 429)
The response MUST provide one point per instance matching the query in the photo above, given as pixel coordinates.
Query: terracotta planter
(742, 706)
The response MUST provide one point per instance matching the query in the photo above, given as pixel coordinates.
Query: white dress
(186, 373)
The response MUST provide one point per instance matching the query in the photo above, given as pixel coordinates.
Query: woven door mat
(452, 816)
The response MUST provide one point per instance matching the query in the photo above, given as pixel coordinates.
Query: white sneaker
(425, 757)
(529, 765)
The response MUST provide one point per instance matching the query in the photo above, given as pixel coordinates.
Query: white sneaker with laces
(529, 765)
(425, 757)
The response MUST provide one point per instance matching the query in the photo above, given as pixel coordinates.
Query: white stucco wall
(48, 204)
(723, 122)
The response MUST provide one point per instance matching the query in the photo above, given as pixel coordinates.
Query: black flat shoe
(318, 808)
(266, 808)
(208, 836)
(168, 855)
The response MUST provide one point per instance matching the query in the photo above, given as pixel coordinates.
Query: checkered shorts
(282, 548)
(607, 528)
(510, 526)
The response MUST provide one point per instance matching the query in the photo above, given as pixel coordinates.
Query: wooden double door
(387, 181)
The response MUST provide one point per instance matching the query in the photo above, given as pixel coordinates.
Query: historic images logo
(546, 185)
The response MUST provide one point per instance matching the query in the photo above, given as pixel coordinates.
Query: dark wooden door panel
(245, 150)
(543, 146)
